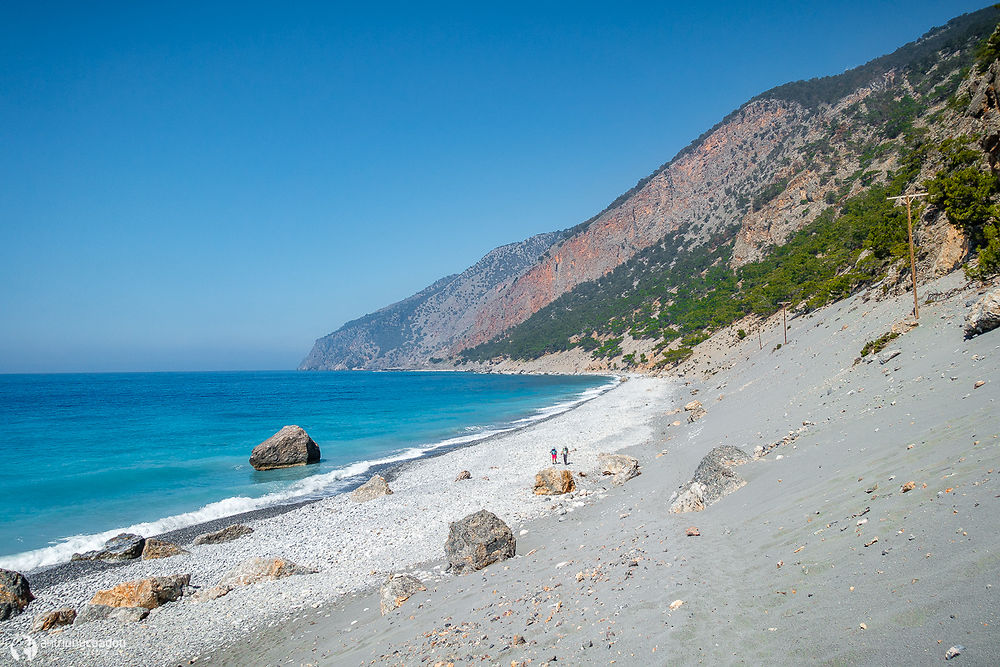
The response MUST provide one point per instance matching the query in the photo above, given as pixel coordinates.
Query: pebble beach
(352, 546)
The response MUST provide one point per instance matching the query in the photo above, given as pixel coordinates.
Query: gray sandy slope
(780, 573)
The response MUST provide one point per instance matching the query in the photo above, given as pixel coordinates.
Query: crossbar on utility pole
(909, 229)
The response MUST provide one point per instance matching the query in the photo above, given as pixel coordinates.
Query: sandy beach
(786, 569)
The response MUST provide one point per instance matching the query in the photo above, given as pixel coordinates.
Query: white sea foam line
(306, 489)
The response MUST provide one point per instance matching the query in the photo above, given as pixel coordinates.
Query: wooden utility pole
(909, 229)
(784, 321)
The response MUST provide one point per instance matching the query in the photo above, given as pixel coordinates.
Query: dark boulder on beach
(291, 446)
(713, 479)
(15, 594)
(984, 316)
(124, 546)
(227, 534)
(478, 540)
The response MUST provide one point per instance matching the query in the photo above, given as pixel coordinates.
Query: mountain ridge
(757, 176)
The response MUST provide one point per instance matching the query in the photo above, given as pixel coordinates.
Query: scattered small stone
(871, 541)
(954, 652)
(979, 383)
(227, 534)
(396, 590)
(909, 486)
(160, 549)
(676, 604)
(888, 356)
(620, 466)
(374, 488)
(255, 570)
(692, 531)
(518, 640)
(147, 593)
(862, 626)
(696, 409)
(465, 474)
(53, 619)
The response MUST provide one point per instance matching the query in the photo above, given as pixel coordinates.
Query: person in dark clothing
(565, 453)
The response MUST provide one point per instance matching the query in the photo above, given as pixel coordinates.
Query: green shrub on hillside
(877, 345)
(966, 193)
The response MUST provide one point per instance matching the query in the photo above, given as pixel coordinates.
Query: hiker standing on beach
(565, 454)
(553, 452)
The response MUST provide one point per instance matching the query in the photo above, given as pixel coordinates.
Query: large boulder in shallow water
(396, 590)
(227, 534)
(984, 316)
(15, 594)
(146, 593)
(478, 540)
(374, 488)
(620, 466)
(124, 546)
(553, 482)
(291, 446)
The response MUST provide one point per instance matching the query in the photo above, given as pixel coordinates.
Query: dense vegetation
(966, 192)
(669, 292)
(920, 56)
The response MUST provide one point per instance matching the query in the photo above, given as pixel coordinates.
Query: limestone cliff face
(696, 192)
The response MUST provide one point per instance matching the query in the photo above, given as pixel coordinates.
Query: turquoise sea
(89, 455)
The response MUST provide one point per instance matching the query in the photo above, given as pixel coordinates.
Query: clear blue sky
(213, 186)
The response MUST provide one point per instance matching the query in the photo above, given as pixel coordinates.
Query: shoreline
(393, 533)
(48, 575)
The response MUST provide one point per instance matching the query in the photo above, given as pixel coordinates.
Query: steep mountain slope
(748, 185)
(409, 333)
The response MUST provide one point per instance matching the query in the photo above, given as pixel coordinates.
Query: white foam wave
(310, 488)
